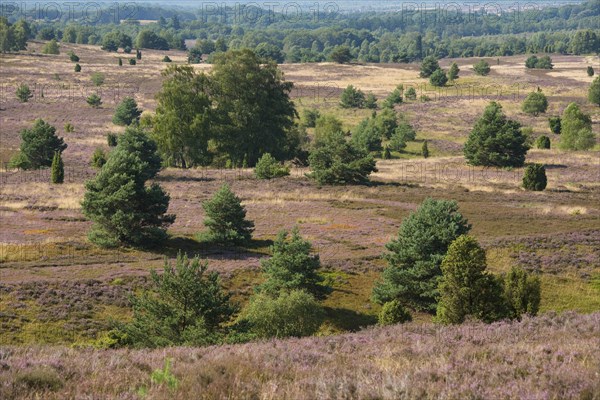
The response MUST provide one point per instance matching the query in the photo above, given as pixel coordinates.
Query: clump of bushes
(534, 177)
(132, 61)
(94, 100)
(97, 78)
(555, 124)
(98, 158)
(77, 68)
(393, 312)
(268, 167)
(166, 59)
(544, 62)
(23, 93)
(482, 68)
(111, 139)
(543, 142)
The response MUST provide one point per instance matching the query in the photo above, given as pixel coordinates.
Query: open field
(58, 289)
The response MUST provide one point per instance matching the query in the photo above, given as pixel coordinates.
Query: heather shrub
(414, 257)
(294, 313)
(466, 290)
(534, 177)
(39, 379)
(268, 167)
(292, 267)
(393, 312)
(185, 305)
(543, 142)
(522, 292)
(226, 218)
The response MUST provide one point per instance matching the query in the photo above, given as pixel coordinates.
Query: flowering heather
(548, 357)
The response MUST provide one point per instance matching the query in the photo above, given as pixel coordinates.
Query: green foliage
(535, 103)
(132, 61)
(226, 218)
(94, 100)
(466, 290)
(39, 379)
(543, 142)
(73, 57)
(415, 256)
(98, 158)
(453, 72)
(120, 62)
(124, 210)
(522, 292)
(555, 125)
(482, 68)
(438, 78)
(386, 154)
(294, 313)
(309, 117)
(268, 167)
(127, 112)
(367, 135)
(69, 128)
(425, 149)
(334, 161)
(111, 139)
(341, 54)
(292, 267)
(138, 54)
(38, 146)
(393, 312)
(590, 70)
(57, 169)
(166, 59)
(97, 78)
(115, 39)
(51, 47)
(77, 68)
(544, 62)
(326, 125)
(352, 98)
(371, 101)
(531, 62)
(410, 94)
(429, 66)
(147, 39)
(576, 129)
(534, 177)
(496, 140)
(185, 305)
(23, 93)
(395, 97)
(164, 376)
(594, 92)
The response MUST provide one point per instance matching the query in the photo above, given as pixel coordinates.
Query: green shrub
(120, 62)
(453, 72)
(543, 142)
(69, 128)
(166, 59)
(73, 57)
(371, 101)
(294, 313)
(395, 97)
(386, 154)
(534, 177)
(94, 100)
(576, 129)
(438, 78)
(594, 92)
(38, 146)
(98, 158)
(535, 103)
(57, 169)
(590, 70)
(482, 68)
(226, 218)
(127, 112)
(164, 376)
(429, 66)
(425, 149)
(410, 94)
(555, 125)
(309, 117)
(77, 68)
(39, 379)
(132, 61)
(268, 167)
(352, 98)
(392, 313)
(97, 78)
(23, 93)
(522, 292)
(51, 47)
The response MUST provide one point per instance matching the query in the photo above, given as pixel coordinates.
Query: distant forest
(321, 35)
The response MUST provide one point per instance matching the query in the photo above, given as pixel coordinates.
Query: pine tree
(555, 125)
(576, 129)
(352, 98)
(127, 112)
(466, 290)
(482, 68)
(38, 146)
(415, 256)
(535, 103)
(453, 72)
(543, 142)
(522, 292)
(94, 100)
(438, 78)
(429, 66)
(226, 218)
(425, 150)
(124, 210)
(594, 92)
(292, 266)
(590, 70)
(57, 169)
(77, 68)
(23, 93)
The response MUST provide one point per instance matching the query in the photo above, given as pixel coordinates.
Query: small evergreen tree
(111, 139)
(77, 68)
(594, 92)
(268, 167)
(482, 68)
(226, 218)
(453, 72)
(292, 267)
(69, 128)
(543, 142)
(352, 98)
(127, 112)
(132, 61)
(554, 123)
(98, 158)
(38, 146)
(371, 101)
(120, 62)
(415, 256)
(386, 154)
(395, 97)
(94, 100)
(438, 78)
(576, 129)
(186, 305)
(429, 66)
(535, 103)
(57, 169)
(23, 93)
(393, 312)
(531, 62)
(309, 117)
(425, 150)
(97, 78)
(166, 59)
(138, 54)
(51, 47)
(410, 94)
(590, 70)
(466, 290)
(367, 136)
(534, 177)
(496, 140)
(73, 57)
(544, 62)
(522, 292)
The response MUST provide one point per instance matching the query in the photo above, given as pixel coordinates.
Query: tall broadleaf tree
(415, 256)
